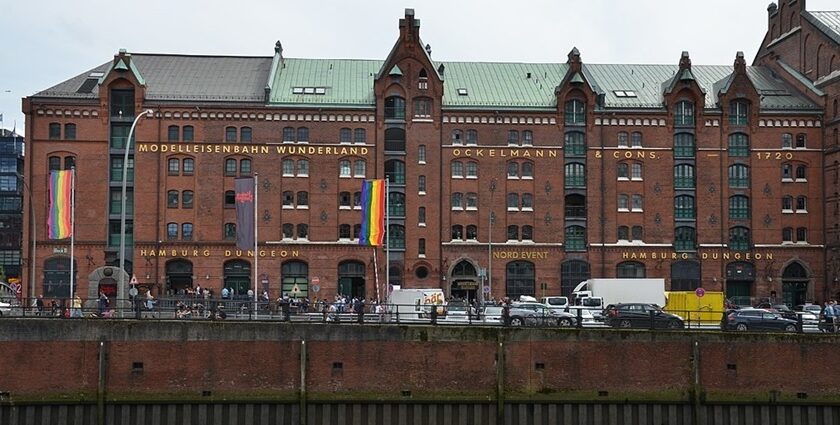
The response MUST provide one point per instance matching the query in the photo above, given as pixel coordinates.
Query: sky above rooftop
(46, 42)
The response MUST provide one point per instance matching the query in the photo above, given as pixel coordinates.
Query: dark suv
(639, 315)
(757, 319)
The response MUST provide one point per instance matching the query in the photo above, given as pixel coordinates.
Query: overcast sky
(48, 41)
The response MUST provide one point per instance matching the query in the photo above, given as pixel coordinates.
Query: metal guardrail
(196, 308)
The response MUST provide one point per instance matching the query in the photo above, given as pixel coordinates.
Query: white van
(556, 303)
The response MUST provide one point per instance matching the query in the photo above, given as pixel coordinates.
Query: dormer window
(423, 81)
(739, 111)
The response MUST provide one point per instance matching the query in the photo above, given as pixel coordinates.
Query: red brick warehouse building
(540, 174)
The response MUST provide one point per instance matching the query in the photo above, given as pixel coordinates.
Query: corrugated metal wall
(419, 414)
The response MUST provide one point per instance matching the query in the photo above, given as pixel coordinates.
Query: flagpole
(72, 227)
(256, 252)
(376, 275)
(387, 234)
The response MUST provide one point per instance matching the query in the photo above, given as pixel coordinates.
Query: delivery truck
(415, 304)
(596, 294)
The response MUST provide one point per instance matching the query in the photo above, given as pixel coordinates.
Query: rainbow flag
(59, 221)
(373, 213)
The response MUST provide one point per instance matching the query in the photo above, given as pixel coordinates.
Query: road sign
(315, 288)
(316, 281)
(699, 292)
(132, 292)
(133, 280)
(486, 289)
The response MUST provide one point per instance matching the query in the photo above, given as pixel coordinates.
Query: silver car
(538, 314)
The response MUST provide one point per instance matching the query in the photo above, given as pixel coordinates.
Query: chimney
(409, 27)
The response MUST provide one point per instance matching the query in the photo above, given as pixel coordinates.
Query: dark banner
(245, 213)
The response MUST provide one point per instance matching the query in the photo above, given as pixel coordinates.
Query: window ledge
(623, 210)
(288, 207)
(472, 177)
(527, 209)
(288, 175)
(637, 210)
(637, 179)
(802, 211)
(787, 211)
(513, 177)
(421, 224)
(472, 208)
(421, 255)
(623, 179)
(421, 162)
(302, 175)
(303, 207)
(357, 207)
(512, 209)
(421, 193)
(457, 177)
(787, 180)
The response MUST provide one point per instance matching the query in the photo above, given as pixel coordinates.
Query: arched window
(684, 207)
(527, 138)
(172, 199)
(739, 238)
(623, 202)
(396, 236)
(684, 239)
(685, 275)
(575, 144)
(739, 176)
(739, 111)
(472, 170)
(359, 136)
(187, 231)
(457, 169)
(513, 232)
(345, 136)
(344, 231)
(513, 201)
(575, 112)
(172, 231)
(635, 139)
(630, 269)
(245, 134)
(303, 199)
(623, 233)
(684, 176)
(787, 141)
(787, 234)
(801, 173)
(739, 207)
(684, 146)
(572, 273)
(739, 145)
(622, 139)
(395, 171)
(69, 131)
(359, 168)
(527, 233)
(288, 135)
(303, 135)
(230, 134)
(55, 131)
(344, 168)
(422, 107)
(527, 170)
(230, 231)
(684, 113)
(245, 167)
(187, 199)
(575, 174)
(294, 279)
(230, 167)
(189, 166)
(472, 232)
(457, 137)
(174, 167)
(457, 200)
(230, 199)
(173, 133)
(394, 108)
(303, 168)
(513, 170)
(575, 238)
(472, 137)
(457, 232)
(188, 133)
(472, 200)
(302, 231)
(520, 279)
(396, 204)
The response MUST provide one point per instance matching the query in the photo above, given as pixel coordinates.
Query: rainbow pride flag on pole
(373, 213)
(59, 221)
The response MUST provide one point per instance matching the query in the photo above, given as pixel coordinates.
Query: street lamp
(121, 281)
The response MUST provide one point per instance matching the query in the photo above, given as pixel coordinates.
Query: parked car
(538, 314)
(639, 315)
(5, 308)
(810, 313)
(781, 309)
(586, 315)
(757, 319)
(460, 312)
(492, 315)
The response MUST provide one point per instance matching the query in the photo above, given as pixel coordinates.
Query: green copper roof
(501, 85)
(344, 82)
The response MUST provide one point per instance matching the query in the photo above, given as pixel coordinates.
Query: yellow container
(694, 309)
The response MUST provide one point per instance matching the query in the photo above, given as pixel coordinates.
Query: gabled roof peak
(685, 61)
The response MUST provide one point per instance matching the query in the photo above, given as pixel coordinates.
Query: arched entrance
(464, 280)
(57, 277)
(237, 278)
(685, 275)
(519, 279)
(351, 279)
(740, 276)
(179, 276)
(794, 284)
(294, 278)
(572, 273)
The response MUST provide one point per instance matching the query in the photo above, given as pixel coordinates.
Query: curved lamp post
(121, 282)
